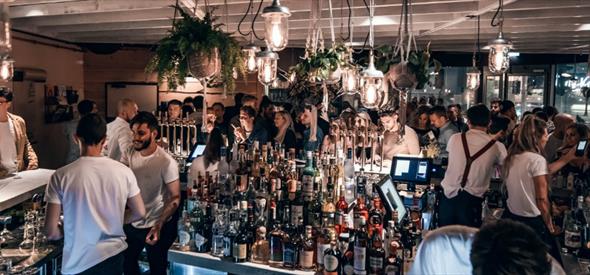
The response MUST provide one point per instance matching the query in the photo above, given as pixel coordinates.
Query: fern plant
(193, 36)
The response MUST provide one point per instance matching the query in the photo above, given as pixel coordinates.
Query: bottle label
(340, 218)
(360, 257)
(240, 251)
(330, 263)
(227, 246)
(307, 185)
(348, 270)
(183, 237)
(289, 256)
(199, 241)
(306, 259)
(375, 263)
(391, 270)
(573, 239)
(357, 220)
(296, 213)
(276, 249)
(320, 252)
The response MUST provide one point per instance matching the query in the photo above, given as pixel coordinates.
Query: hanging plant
(419, 63)
(194, 39)
(318, 66)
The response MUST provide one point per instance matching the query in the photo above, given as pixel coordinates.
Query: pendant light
(498, 59)
(473, 73)
(250, 60)
(371, 78)
(6, 67)
(276, 25)
(267, 66)
(5, 41)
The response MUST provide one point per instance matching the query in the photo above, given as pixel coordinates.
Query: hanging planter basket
(204, 65)
(401, 76)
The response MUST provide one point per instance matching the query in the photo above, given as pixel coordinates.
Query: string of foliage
(191, 35)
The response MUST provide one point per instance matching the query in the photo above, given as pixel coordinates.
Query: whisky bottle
(360, 248)
(276, 237)
(289, 246)
(329, 209)
(314, 215)
(241, 245)
(360, 212)
(260, 248)
(307, 178)
(229, 238)
(376, 254)
(332, 257)
(347, 250)
(323, 243)
(306, 252)
(376, 215)
(297, 205)
(393, 264)
(342, 213)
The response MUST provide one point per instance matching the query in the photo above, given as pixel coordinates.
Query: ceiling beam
(83, 7)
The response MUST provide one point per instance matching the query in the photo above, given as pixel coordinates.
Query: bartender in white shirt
(119, 135)
(466, 180)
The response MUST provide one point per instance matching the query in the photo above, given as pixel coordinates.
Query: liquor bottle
(572, 233)
(297, 206)
(376, 215)
(349, 182)
(306, 252)
(389, 236)
(260, 248)
(223, 166)
(241, 245)
(289, 245)
(360, 211)
(323, 243)
(292, 181)
(342, 213)
(241, 173)
(314, 215)
(198, 221)
(329, 210)
(218, 228)
(393, 264)
(360, 248)
(185, 231)
(229, 238)
(376, 254)
(307, 178)
(276, 237)
(347, 250)
(332, 257)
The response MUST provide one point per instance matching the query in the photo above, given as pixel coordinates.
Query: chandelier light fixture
(498, 59)
(473, 73)
(276, 25)
(371, 78)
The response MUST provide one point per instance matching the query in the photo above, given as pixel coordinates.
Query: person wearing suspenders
(472, 156)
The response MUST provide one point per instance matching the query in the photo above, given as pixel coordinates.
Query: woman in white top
(210, 159)
(526, 181)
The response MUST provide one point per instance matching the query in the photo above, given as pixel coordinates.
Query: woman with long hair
(525, 174)
(285, 134)
(208, 161)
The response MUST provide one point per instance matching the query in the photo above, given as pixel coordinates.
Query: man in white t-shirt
(92, 192)
(466, 182)
(119, 136)
(158, 180)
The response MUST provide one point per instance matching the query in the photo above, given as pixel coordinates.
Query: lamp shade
(472, 82)
(276, 25)
(498, 59)
(267, 66)
(250, 61)
(350, 80)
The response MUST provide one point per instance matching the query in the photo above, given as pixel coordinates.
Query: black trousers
(463, 209)
(538, 225)
(112, 265)
(157, 254)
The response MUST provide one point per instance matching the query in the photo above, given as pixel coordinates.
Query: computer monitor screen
(197, 151)
(391, 198)
(411, 169)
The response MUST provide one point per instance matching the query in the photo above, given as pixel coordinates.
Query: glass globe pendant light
(267, 68)
(6, 67)
(250, 59)
(371, 78)
(472, 75)
(350, 80)
(498, 59)
(276, 25)
(5, 40)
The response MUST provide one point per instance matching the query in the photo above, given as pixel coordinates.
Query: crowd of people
(120, 191)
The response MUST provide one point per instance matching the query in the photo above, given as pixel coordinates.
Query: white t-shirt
(7, 146)
(482, 168)
(520, 185)
(119, 139)
(93, 192)
(153, 172)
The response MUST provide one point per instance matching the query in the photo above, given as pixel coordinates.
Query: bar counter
(17, 189)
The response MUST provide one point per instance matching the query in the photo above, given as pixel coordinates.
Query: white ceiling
(548, 26)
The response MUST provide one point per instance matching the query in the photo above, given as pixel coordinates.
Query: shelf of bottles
(265, 208)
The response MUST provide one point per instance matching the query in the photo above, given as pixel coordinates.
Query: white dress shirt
(482, 168)
(119, 139)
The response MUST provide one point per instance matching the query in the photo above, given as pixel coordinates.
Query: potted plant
(414, 74)
(196, 47)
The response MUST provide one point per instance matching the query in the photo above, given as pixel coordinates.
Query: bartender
(16, 152)
(394, 143)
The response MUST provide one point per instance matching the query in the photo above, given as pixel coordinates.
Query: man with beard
(157, 178)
